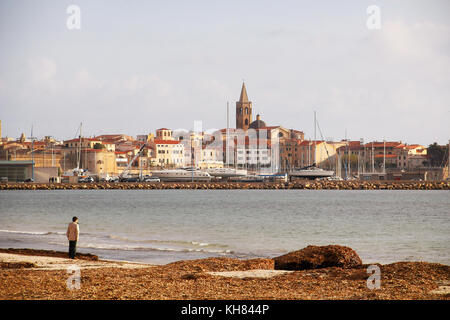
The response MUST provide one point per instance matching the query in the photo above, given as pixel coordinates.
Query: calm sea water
(161, 226)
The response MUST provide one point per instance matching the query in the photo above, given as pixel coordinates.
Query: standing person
(73, 230)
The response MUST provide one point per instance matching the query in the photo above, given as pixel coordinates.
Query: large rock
(314, 257)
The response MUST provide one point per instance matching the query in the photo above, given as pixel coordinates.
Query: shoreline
(294, 185)
(44, 277)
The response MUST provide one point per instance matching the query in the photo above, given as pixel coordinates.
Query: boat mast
(448, 161)
(373, 159)
(79, 149)
(227, 154)
(346, 165)
(309, 151)
(32, 153)
(315, 151)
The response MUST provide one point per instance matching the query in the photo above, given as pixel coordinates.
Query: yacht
(181, 175)
(311, 172)
(227, 172)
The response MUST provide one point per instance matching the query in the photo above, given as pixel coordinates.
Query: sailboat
(312, 171)
(227, 172)
(78, 172)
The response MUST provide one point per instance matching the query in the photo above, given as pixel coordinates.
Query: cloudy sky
(135, 66)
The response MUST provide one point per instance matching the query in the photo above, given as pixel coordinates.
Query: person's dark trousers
(72, 249)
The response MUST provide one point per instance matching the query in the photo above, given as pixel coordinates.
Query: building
(297, 153)
(168, 153)
(15, 171)
(210, 157)
(100, 162)
(164, 134)
(243, 110)
(383, 157)
(145, 137)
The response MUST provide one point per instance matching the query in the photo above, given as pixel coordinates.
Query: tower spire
(243, 110)
(243, 97)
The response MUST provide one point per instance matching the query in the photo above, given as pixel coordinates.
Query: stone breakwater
(301, 184)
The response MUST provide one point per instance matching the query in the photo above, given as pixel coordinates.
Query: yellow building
(100, 162)
(164, 134)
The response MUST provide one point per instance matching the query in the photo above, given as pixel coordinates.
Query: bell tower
(243, 110)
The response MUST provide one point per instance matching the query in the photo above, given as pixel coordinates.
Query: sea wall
(300, 184)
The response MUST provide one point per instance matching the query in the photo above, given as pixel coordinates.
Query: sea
(163, 226)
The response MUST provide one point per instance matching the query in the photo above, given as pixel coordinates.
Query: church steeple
(243, 110)
(244, 97)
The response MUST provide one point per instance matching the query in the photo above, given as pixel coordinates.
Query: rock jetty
(300, 184)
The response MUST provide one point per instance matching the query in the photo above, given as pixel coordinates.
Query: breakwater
(300, 184)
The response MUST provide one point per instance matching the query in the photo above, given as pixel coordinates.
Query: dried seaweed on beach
(49, 253)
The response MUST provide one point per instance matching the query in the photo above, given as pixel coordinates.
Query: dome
(257, 124)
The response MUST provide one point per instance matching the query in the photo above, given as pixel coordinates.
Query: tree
(437, 155)
(99, 146)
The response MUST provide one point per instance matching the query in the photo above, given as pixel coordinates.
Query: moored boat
(181, 175)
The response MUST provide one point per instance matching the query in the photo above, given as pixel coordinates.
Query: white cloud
(42, 70)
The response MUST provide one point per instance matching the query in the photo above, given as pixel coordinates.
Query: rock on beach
(315, 257)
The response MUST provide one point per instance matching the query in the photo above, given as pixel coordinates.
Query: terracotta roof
(389, 144)
(36, 143)
(307, 142)
(82, 140)
(414, 146)
(157, 141)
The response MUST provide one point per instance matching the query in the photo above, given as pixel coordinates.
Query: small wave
(169, 242)
(41, 233)
(138, 248)
(201, 244)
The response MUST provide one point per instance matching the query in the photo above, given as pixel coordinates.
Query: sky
(136, 66)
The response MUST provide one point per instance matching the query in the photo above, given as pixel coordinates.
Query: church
(259, 155)
(244, 113)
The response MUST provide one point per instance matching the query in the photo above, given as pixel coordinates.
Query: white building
(169, 153)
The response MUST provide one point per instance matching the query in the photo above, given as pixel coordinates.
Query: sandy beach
(31, 274)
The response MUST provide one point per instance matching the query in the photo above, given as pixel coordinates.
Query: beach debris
(222, 264)
(400, 281)
(16, 265)
(315, 257)
(248, 274)
(49, 253)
